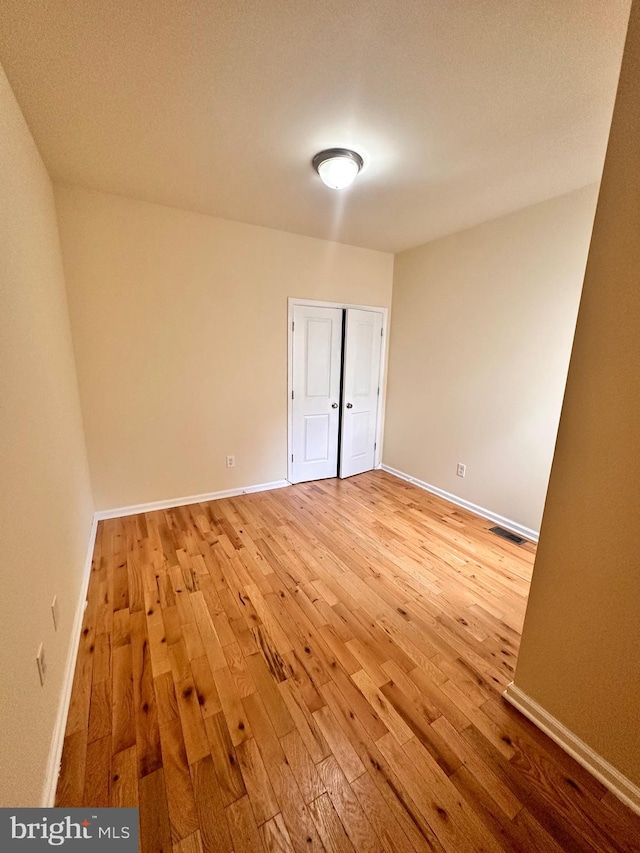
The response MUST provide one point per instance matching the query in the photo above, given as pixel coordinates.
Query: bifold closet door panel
(361, 390)
(316, 368)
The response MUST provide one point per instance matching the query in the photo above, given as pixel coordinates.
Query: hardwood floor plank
(507, 832)
(225, 760)
(305, 723)
(329, 825)
(399, 801)
(256, 779)
(244, 832)
(500, 793)
(239, 670)
(237, 722)
(124, 779)
(214, 831)
(383, 708)
(78, 716)
(302, 766)
(193, 730)
(427, 734)
(166, 700)
(438, 802)
(319, 668)
(275, 836)
(532, 835)
(183, 815)
(190, 844)
(277, 710)
(179, 659)
(357, 703)
(155, 828)
(72, 772)
(341, 747)
(100, 711)
(101, 658)
(382, 819)
(144, 698)
(347, 806)
(294, 811)
(205, 685)
(97, 777)
(124, 720)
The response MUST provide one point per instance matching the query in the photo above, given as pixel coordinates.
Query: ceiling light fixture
(337, 167)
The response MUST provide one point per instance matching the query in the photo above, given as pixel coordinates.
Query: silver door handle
(349, 406)
(334, 405)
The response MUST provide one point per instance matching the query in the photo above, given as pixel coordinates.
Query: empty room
(320, 479)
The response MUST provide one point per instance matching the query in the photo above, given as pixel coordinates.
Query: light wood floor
(319, 668)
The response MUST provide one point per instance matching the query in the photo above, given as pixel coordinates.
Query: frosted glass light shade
(337, 167)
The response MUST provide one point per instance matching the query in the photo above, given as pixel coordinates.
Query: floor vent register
(507, 534)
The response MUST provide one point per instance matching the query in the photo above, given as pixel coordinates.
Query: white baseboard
(136, 509)
(57, 741)
(520, 529)
(606, 773)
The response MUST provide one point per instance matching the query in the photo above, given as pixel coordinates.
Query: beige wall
(480, 340)
(580, 654)
(45, 498)
(180, 330)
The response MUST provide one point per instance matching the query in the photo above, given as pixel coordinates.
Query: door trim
(291, 302)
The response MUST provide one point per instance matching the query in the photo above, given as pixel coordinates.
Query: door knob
(334, 405)
(349, 406)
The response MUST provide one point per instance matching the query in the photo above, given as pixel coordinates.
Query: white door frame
(292, 300)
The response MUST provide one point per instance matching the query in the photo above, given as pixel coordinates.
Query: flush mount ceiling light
(337, 167)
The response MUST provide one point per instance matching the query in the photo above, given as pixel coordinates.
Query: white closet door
(317, 357)
(360, 399)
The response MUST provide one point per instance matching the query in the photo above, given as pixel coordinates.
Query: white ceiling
(463, 109)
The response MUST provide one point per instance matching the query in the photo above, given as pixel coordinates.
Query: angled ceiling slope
(462, 111)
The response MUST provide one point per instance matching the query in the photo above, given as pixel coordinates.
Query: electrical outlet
(462, 470)
(42, 663)
(231, 461)
(55, 612)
